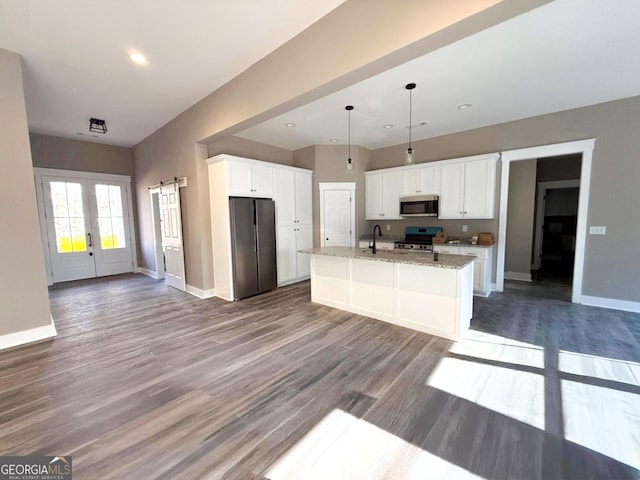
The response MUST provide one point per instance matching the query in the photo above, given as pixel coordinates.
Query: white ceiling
(77, 66)
(563, 55)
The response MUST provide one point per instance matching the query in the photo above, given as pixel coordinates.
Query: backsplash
(452, 227)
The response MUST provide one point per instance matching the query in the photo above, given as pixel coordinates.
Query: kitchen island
(409, 289)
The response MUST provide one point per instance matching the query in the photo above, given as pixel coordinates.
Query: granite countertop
(413, 258)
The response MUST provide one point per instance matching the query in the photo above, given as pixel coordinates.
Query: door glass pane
(68, 217)
(110, 217)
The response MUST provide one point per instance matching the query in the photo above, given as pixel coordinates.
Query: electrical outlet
(388, 227)
(464, 228)
(597, 230)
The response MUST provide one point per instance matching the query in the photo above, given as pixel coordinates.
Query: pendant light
(409, 160)
(348, 108)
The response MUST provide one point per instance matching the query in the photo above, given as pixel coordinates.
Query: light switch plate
(388, 227)
(464, 228)
(593, 230)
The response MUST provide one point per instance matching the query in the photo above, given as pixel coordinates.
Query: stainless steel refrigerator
(253, 245)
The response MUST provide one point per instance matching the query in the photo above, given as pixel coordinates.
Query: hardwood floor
(144, 381)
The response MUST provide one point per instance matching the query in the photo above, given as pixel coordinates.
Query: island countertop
(412, 258)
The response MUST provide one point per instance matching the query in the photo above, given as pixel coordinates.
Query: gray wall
(328, 163)
(611, 261)
(520, 216)
(24, 299)
(68, 154)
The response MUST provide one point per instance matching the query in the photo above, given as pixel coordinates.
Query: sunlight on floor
(492, 376)
(516, 394)
(599, 367)
(344, 447)
(492, 347)
(604, 418)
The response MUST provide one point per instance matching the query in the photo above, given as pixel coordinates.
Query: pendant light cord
(349, 134)
(410, 112)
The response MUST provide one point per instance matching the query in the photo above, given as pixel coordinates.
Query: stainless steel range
(418, 238)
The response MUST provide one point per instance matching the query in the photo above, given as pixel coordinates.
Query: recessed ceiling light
(388, 125)
(464, 106)
(334, 140)
(137, 57)
(289, 124)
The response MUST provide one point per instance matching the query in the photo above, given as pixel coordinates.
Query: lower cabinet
(293, 266)
(481, 267)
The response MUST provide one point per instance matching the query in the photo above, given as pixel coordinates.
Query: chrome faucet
(373, 247)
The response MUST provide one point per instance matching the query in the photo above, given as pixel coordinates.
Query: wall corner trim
(23, 337)
(198, 292)
(613, 303)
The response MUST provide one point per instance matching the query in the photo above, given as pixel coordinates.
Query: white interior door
(111, 238)
(68, 223)
(172, 236)
(337, 227)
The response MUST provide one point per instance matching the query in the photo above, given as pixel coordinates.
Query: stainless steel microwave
(419, 206)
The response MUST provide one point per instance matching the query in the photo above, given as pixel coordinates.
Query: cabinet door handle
(90, 242)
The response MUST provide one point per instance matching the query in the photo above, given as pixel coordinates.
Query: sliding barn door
(172, 236)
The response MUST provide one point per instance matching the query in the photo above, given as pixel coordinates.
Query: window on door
(68, 214)
(110, 217)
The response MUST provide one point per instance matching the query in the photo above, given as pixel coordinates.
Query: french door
(87, 227)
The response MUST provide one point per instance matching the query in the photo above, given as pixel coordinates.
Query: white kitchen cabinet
(290, 188)
(467, 188)
(292, 194)
(293, 266)
(250, 179)
(382, 195)
(481, 266)
(420, 181)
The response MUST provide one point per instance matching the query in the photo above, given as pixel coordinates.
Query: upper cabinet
(293, 197)
(467, 188)
(382, 195)
(420, 181)
(250, 179)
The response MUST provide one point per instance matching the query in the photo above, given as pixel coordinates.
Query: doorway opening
(582, 148)
(556, 220)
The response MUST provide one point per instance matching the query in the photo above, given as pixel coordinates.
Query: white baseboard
(148, 273)
(27, 336)
(198, 292)
(523, 277)
(613, 303)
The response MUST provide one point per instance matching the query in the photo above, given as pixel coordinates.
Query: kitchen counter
(404, 288)
(412, 258)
